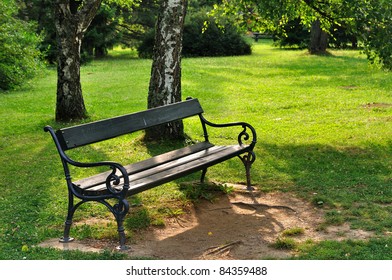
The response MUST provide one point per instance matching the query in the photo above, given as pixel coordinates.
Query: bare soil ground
(239, 226)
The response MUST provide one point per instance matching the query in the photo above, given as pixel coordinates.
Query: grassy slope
(323, 123)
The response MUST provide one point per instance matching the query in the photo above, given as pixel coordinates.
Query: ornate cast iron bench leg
(247, 160)
(119, 212)
(68, 222)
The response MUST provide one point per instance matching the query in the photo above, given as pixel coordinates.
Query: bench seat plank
(147, 164)
(168, 170)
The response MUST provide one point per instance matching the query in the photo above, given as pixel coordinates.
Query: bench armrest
(242, 136)
(112, 180)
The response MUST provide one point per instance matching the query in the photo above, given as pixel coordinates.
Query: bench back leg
(203, 175)
(247, 160)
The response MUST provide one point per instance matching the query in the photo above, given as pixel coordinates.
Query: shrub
(292, 34)
(214, 41)
(19, 56)
(146, 47)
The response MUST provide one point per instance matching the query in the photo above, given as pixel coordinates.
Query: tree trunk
(71, 21)
(318, 39)
(165, 81)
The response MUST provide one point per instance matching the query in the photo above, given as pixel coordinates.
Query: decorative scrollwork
(113, 180)
(121, 208)
(248, 158)
(243, 136)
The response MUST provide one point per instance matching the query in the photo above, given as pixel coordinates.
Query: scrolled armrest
(242, 136)
(113, 179)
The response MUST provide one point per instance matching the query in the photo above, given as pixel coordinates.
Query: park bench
(120, 181)
(258, 35)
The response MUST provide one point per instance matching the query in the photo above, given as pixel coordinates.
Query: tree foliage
(19, 54)
(370, 20)
(115, 23)
(376, 31)
(102, 33)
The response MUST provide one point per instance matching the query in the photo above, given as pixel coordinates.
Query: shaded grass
(323, 123)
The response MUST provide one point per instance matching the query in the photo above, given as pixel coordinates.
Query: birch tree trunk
(165, 81)
(72, 18)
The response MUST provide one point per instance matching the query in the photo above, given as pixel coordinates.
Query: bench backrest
(85, 134)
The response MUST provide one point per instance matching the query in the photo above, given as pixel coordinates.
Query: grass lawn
(324, 127)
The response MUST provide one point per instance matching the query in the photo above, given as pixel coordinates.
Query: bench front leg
(119, 212)
(68, 222)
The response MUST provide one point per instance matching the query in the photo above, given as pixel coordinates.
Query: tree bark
(71, 21)
(318, 39)
(165, 81)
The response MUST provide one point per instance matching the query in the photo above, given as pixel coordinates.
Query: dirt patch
(349, 87)
(237, 226)
(377, 105)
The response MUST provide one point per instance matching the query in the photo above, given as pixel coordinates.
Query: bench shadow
(233, 226)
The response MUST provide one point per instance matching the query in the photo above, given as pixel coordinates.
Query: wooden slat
(148, 163)
(177, 171)
(84, 134)
(174, 163)
(174, 169)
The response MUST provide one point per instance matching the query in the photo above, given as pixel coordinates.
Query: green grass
(324, 133)
(293, 231)
(284, 243)
(374, 249)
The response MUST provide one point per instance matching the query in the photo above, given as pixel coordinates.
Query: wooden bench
(122, 181)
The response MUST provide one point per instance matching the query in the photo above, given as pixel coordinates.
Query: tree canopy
(369, 20)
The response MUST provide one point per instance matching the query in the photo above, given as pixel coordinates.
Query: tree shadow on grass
(325, 168)
(356, 181)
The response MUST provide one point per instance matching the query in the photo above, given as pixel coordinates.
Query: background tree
(116, 22)
(19, 54)
(102, 33)
(119, 22)
(318, 38)
(165, 81)
(72, 18)
(369, 20)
